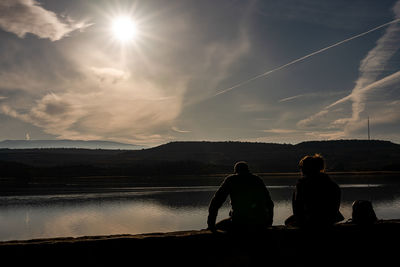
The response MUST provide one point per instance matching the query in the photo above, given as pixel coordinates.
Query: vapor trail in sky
(305, 57)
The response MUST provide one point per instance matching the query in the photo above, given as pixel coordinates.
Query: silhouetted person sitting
(252, 207)
(316, 199)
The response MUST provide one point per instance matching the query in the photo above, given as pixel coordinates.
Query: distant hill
(23, 144)
(340, 155)
(200, 158)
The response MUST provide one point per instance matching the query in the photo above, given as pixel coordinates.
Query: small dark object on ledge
(363, 213)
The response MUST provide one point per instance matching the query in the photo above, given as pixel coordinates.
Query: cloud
(280, 131)
(216, 59)
(330, 135)
(104, 103)
(361, 94)
(110, 75)
(254, 107)
(374, 64)
(136, 96)
(309, 95)
(176, 129)
(291, 98)
(27, 16)
(221, 56)
(322, 50)
(381, 109)
(96, 116)
(369, 82)
(313, 120)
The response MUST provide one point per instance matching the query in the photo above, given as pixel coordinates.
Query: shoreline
(112, 184)
(344, 244)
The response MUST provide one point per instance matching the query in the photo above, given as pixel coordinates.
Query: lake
(145, 209)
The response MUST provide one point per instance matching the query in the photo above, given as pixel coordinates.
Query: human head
(241, 167)
(312, 164)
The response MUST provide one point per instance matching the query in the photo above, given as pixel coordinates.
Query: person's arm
(216, 202)
(269, 204)
(339, 215)
(338, 197)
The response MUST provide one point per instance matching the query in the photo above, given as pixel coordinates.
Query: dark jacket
(316, 200)
(250, 200)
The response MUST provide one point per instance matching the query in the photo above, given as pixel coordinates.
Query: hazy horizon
(167, 142)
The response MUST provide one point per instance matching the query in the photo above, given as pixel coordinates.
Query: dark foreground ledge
(341, 245)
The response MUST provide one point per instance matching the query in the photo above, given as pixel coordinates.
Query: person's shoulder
(258, 178)
(230, 178)
(300, 183)
(326, 177)
(255, 176)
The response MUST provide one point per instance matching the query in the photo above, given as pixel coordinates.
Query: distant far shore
(10, 186)
(199, 158)
(332, 173)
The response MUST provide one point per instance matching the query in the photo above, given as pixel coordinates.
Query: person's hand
(211, 223)
(212, 228)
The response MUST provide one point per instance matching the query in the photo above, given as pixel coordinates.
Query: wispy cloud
(28, 16)
(393, 22)
(314, 120)
(380, 112)
(280, 131)
(330, 135)
(176, 129)
(291, 98)
(110, 75)
(217, 59)
(158, 89)
(372, 67)
(359, 95)
(315, 94)
(122, 112)
(254, 107)
(136, 95)
(374, 64)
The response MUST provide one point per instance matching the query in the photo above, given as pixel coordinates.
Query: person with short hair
(316, 199)
(252, 207)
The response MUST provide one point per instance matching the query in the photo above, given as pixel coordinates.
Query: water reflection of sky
(155, 209)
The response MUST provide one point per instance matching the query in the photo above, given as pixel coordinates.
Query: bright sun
(124, 29)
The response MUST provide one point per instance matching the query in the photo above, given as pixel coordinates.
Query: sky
(282, 71)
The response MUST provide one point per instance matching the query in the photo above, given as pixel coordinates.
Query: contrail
(307, 56)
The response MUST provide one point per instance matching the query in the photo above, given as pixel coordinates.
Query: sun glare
(124, 29)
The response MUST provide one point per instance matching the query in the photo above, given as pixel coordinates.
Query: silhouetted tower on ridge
(369, 136)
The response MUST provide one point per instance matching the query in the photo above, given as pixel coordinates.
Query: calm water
(154, 209)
